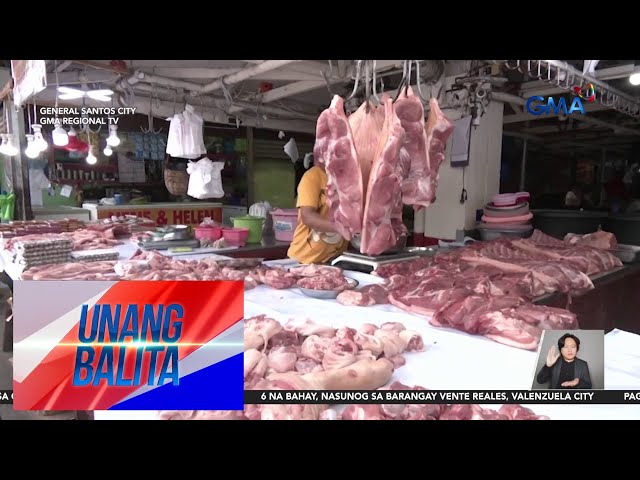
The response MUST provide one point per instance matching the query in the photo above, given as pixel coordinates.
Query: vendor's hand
(552, 356)
(571, 383)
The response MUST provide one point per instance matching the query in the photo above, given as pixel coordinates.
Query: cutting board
(200, 251)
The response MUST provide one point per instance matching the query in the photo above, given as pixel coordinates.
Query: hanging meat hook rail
(327, 79)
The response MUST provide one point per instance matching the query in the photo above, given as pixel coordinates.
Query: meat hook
(355, 87)
(326, 78)
(375, 81)
(406, 78)
(418, 83)
(509, 67)
(367, 87)
(150, 116)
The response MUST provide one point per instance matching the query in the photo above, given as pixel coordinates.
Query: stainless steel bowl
(328, 294)
(422, 251)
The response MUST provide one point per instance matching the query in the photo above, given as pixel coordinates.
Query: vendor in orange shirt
(315, 239)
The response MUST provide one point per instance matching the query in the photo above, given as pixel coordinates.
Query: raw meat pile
(318, 277)
(92, 239)
(306, 356)
(123, 225)
(376, 160)
(600, 239)
(152, 265)
(84, 239)
(19, 228)
(486, 288)
(429, 411)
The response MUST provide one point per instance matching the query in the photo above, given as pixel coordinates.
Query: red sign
(168, 216)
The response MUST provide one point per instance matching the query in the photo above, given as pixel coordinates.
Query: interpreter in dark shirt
(563, 369)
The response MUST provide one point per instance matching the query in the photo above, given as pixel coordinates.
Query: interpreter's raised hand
(552, 356)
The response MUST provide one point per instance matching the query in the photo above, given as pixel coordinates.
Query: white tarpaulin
(29, 79)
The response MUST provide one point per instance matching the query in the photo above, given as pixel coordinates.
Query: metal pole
(602, 168)
(523, 165)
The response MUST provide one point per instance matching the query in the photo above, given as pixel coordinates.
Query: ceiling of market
(289, 95)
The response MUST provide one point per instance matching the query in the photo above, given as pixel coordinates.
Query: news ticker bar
(587, 397)
(577, 397)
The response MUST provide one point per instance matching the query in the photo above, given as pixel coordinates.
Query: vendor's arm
(312, 219)
(309, 190)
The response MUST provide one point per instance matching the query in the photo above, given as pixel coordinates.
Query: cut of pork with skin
(276, 278)
(259, 330)
(518, 412)
(315, 270)
(307, 365)
(255, 364)
(366, 127)
(367, 328)
(600, 240)
(282, 359)
(334, 149)
(308, 327)
(363, 375)
(366, 296)
(396, 327)
(588, 260)
(324, 282)
(438, 130)
(423, 300)
(314, 347)
(416, 185)
(392, 343)
(379, 234)
(370, 342)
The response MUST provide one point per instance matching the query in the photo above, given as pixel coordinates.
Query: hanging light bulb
(112, 139)
(9, 148)
(91, 158)
(59, 135)
(107, 151)
(38, 140)
(32, 150)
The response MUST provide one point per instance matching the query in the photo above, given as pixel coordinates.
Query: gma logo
(588, 94)
(536, 106)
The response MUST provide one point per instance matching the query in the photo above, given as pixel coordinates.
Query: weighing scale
(358, 262)
(170, 244)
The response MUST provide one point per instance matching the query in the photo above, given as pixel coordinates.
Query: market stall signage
(129, 345)
(167, 215)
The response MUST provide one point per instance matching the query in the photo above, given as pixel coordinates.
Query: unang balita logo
(536, 105)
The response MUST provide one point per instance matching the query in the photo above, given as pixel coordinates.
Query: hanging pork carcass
(334, 149)
(378, 159)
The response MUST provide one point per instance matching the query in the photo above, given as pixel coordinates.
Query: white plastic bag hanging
(205, 179)
(291, 149)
